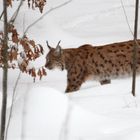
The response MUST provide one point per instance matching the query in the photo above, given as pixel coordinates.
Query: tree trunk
(5, 74)
(135, 47)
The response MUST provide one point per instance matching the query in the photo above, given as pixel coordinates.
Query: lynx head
(54, 57)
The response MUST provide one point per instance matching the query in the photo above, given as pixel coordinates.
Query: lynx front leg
(75, 78)
(72, 86)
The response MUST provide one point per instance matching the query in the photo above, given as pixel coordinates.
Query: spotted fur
(101, 63)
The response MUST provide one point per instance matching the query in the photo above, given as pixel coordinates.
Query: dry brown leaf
(32, 43)
(44, 72)
(9, 3)
(39, 73)
(10, 58)
(14, 55)
(37, 3)
(23, 66)
(33, 73)
(30, 55)
(25, 45)
(15, 38)
(41, 49)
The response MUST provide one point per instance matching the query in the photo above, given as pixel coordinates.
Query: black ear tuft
(58, 42)
(48, 45)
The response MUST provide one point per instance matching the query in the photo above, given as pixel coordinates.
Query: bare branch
(13, 18)
(1, 15)
(11, 110)
(49, 11)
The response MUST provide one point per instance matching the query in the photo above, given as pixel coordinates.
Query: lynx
(101, 63)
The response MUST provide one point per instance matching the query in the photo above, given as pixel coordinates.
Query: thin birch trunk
(5, 74)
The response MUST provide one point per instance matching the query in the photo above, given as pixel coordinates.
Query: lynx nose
(46, 65)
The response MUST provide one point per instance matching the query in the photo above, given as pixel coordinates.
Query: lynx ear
(48, 45)
(58, 49)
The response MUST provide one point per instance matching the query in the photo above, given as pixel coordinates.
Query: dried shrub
(21, 52)
(32, 4)
(37, 3)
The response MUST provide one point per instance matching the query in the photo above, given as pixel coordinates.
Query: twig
(49, 11)
(12, 104)
(23, 25)
(65, 126)
(1, 15)
(13, 18)
(127, 21)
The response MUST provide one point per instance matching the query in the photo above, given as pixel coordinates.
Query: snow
(59, 117)
(42, 110)
(44, 104)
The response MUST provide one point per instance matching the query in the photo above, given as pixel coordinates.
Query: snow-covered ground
(41, 110)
